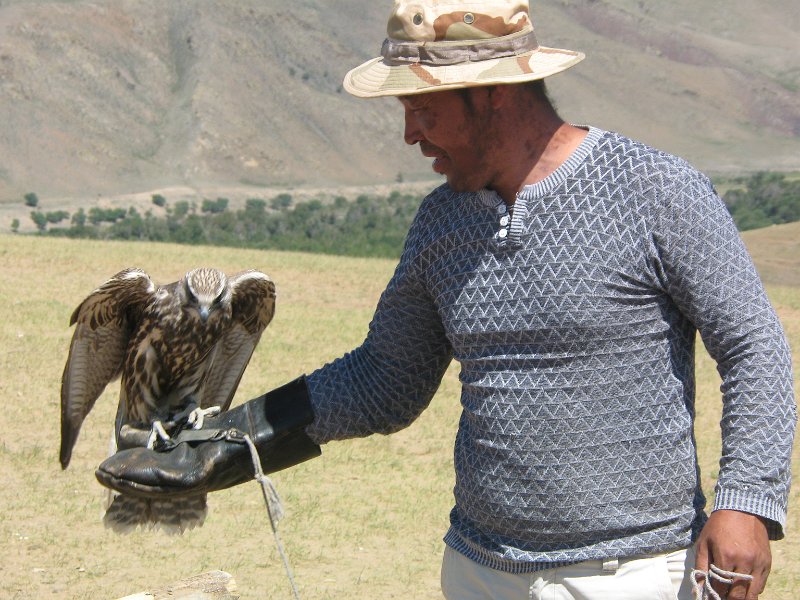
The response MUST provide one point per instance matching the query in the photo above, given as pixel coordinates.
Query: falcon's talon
(198, 415)
(157, 432)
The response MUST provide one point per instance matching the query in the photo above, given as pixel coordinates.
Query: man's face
(453, 130)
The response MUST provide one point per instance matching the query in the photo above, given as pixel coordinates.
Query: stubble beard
(477, 177)
(479, 174)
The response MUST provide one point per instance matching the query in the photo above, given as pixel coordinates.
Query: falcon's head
(206, 291)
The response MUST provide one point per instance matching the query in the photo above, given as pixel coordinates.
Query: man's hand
(736, 541)
(216, 457)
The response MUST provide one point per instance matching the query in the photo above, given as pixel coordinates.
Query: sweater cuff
(755, 504)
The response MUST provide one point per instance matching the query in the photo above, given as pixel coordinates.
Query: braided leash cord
(196, 432)
(701, 581)
(274, 508)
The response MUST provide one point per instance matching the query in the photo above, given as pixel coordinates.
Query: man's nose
(411, 134)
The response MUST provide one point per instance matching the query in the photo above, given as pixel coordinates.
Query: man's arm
(383, 385)
(380, 387)
(711, 278)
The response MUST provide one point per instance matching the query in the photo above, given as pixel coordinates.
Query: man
(567, 270)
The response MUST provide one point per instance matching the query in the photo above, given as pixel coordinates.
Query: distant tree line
(763, 199)
(366, 226)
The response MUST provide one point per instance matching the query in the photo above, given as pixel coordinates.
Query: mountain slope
(133, 95)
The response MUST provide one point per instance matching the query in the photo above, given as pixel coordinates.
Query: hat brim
(379, 78)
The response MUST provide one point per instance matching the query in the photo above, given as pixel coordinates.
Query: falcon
(179, 348)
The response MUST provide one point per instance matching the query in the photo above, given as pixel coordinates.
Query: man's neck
(535, 156)
(564, 141)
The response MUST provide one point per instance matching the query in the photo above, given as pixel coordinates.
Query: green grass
(363, 521)
(776, 251)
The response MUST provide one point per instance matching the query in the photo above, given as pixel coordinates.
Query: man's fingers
(746, 589)
(736, 583)
(702, 558)
(722, 589)
(738, 590)
(757, 585)
(731, 583)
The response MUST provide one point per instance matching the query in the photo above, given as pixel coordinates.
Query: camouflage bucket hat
(445, 44)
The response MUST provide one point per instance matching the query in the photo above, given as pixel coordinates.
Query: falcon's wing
(253, 306)
(103, 324)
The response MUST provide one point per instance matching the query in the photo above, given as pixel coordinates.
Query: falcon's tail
(173, 515)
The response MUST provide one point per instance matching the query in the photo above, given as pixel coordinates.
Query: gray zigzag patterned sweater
(574, 322)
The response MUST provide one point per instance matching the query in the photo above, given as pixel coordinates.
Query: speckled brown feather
(103, 323)
(253, 304)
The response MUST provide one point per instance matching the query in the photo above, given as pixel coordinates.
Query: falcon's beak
(203, 313)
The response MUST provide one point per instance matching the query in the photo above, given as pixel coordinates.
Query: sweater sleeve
(384, 384)
(710, 276)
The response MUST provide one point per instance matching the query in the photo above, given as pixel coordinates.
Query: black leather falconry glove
(217, 457)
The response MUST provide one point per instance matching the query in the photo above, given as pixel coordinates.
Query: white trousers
(656, 577)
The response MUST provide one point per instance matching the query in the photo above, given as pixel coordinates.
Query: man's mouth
(439, 158)
(430, 150)
(439, 165)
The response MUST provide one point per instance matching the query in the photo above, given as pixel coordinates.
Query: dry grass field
(364, 521)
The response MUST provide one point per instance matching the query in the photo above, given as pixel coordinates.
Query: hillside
(229, 97)
(776, 253)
